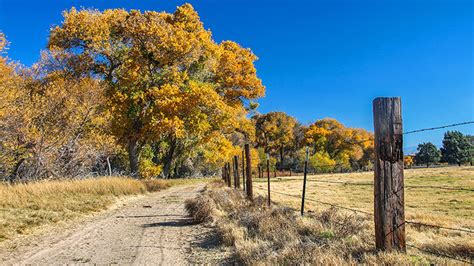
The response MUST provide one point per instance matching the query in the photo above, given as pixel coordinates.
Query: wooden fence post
(236, 172)
(304, 180)
(268, 178)
(248, 172)
(225, 173)
(229, 178)
(243, 171)
(389, 213)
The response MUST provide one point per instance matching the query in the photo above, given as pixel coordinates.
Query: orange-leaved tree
(168, 84)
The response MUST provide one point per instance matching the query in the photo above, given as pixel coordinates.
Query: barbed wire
(412, 131)
(322, 202)
(405, 222)
(440, 227)
(439, 254)
(371, 184)
(371, 215)
(439, 127)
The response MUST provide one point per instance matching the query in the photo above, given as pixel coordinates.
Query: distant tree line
(332, 146)
(457, 149)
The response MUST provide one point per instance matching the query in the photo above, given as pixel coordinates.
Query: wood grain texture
(389, 215)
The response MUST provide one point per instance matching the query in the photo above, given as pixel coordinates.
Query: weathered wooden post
(304, 180)
(225, 173)
(389, 213)
(248, 175)
(268, 178)
(243, 171)
(229, 178)
(236, 172)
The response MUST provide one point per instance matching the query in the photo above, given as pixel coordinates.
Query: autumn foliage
(332, 145)
(148, 94)
(154, 83)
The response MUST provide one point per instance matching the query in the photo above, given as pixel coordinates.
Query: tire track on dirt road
(153, 229)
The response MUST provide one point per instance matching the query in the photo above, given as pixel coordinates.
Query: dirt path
(149, 230)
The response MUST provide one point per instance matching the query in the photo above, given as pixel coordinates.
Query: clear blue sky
(321, 58)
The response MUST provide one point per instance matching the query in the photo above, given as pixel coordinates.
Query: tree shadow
(176, 223)
(144, 216)
(210, 240)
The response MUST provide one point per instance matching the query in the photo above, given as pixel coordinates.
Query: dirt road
(149, 230)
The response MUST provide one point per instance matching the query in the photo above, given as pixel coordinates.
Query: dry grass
(26, 207)
(425, 202)
(278, 235)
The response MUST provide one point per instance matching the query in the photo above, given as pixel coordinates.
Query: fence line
(385, 109)
(406, 222)
(440, 227)
(440, 127)
(439, 254)
(414, 131)
(371, 184)
(371, 215)
(322, 202)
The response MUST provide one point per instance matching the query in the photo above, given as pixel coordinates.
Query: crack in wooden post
(389, 213)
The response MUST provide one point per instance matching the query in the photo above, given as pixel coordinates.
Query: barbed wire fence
(247, 174)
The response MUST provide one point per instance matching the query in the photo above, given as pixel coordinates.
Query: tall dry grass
(25, 207)
(278, 235)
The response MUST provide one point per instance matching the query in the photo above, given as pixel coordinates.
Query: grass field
(438, 196)
(26, 207)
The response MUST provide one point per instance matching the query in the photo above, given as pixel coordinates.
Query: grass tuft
(279, 235)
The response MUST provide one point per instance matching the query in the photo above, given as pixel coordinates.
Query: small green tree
(427, 154)
(470, 138)
(456, 148)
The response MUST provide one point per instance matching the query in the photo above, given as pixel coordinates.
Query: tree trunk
(133, 157)
(168, 160)
(14, 174)
(281, 158)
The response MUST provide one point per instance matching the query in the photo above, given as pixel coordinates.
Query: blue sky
(321, 58)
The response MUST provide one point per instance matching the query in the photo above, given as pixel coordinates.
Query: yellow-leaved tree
(275, 133)
(348, 147)
(51, 124)
(167, 83)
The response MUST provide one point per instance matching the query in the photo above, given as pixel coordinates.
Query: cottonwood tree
(275, 133)
(348, 147)
(167, 83)
(456, 148)
(427, 154)
(51, 124)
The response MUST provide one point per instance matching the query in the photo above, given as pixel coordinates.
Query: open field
(24, 208)
(438, 196)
